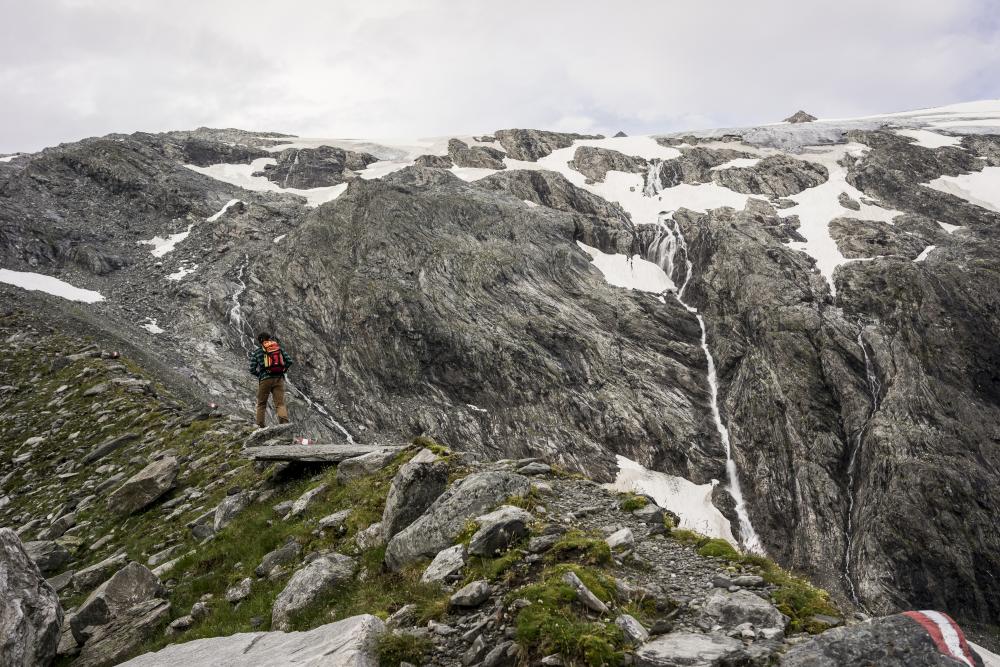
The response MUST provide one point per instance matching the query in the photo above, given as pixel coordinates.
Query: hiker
(270, 363)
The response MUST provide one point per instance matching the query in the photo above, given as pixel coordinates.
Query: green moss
(528, 502)
(470, 528)
(582, 547)
(396, 647)
(718, 548)
(427, 442)
(492, 568)
(630, 502)
(554, 622)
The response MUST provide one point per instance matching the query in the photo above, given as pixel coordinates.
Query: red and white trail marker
(305, 441)
(947, 636)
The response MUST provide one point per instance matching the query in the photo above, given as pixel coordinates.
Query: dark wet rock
(800, 117)
(893, 641)
(48, 555)
(144, 487)
(595, 163)
(444, 520)
(31, 617)
(530, 145)
(480, 157)
(774, 176)
(416, 485)
(324, 166)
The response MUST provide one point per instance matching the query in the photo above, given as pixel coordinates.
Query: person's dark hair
(263, 335)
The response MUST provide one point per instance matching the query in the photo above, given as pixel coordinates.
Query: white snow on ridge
(242, 176)
(818, 205)
(36, 282)
(929, 139)
(151, 326)
(691, 502)
(981, 188)
(184, 270)
(8, 158)
(216, 216)
(951, 229)
(472, 173)
(161, 245)
(923, 255)
(630, 272)
(737, 162)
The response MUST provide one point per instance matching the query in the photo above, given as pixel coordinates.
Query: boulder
(144, 487)
(31, 617)
(130, 586)
(498, 530)
(418, 483)
(687, 649)
(901, 640)
(446, 563)
(335, 521)
(472, 594)
(239, 591)
(370, 537)
(439, 526)
(480, 157)
(350, 643)
(49, 556)
(620, 538)
(278, 433)
(89, 577)
(306, 500)
(230, 507)
(632, 629)
(584, 594)
(112, 642)
(281, 556)
(366, 464)
(732, 609)
(108, 447)
(309, 584)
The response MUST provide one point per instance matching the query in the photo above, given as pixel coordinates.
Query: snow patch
(36, 282)
(184, 270)
(737, 162)
(949, 228)
(277, 239)
(216, 216)
(929, 139)
(923, 255)
(383, 168)
(529, 203)
(981, 188)
(8, 158)
(629, 272)
(151, 326)
(691, 502)
(242, 175)
(472, 173)
(161, 245)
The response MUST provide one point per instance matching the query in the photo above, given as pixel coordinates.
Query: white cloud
(76, 68)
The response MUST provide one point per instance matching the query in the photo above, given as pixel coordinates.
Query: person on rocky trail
(269, 363)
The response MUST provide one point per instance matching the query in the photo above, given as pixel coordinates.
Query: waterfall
(874, 387)
(670, 240)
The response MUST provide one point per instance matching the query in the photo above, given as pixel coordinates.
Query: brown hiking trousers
(269, 387)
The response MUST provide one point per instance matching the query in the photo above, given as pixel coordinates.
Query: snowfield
(629, 272)
(242, 176)
(691, 502)
(929, 139)
(981, 188)
(36, 282)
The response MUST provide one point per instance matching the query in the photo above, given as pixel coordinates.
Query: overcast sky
(383, 68)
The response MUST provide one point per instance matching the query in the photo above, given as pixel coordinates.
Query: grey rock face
(595, 163)
(552, 189)
(144, 487)
(498, 530)
(800, 117)
(366, 464)
(893, 641)
(134, 584)
(472, 594)
(531, 145)
(418, 483)
(732, 609)
(444, 520)
(91, 576)
(49, 556)
(335, 521)
(30, 614)
(305, 501)
(632, 629)
(683, 649)
(434, 161)
(109, 446)
(447, 562)
(868, 239)
(110, 643)
(350, 642)
(695, 165)
(229, 508)
(315, 167)
(481, 157)
(620, 538)
(308, 584)
(276, 434)
(775, 176)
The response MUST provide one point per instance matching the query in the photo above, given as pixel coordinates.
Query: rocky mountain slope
(805, 312)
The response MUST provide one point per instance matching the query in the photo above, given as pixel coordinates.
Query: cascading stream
(246, 341)
(874, 388)
(670, 240)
